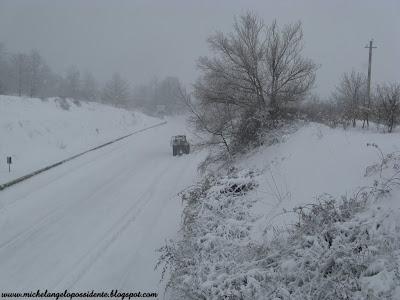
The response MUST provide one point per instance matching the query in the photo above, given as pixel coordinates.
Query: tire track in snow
(84, 264)
(129, 268)
(27, 233)
(57, 213)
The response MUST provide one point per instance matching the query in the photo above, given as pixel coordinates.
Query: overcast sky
(144, 39)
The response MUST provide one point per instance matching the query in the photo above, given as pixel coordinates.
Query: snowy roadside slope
(39, 132)
(312, 161)
(238, 240)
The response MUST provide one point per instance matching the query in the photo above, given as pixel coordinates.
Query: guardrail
(25, 177)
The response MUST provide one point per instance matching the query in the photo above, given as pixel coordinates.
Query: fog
(147, 39)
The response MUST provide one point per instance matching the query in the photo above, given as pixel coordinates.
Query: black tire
(187, 149)
(173, 151)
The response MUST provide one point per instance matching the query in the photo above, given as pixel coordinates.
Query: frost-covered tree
(53, 83)
(288, 75)
(351, 94)
(214, 120)
(72, 83)
(116, 91)
(143, 97)
(89, 87)
(5, 85)
(255, 71)
(388, 104)
(256, 65)
(168, 95)
(159, 93)
(20, 66)
(27, 74)
(36, 72)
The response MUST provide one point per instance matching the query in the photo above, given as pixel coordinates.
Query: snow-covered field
(37, 132)
(238, 239)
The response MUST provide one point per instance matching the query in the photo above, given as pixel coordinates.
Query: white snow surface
(36, 132)
(312, 161)
(94, 222)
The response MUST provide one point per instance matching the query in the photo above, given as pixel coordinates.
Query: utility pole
(370, 47)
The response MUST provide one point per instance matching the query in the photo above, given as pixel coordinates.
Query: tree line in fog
(29, 75)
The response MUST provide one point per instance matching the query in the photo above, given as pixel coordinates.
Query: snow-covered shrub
(77, 102)
(215, 224)
(388, 170)
(63, 103)
(346, 248)
(335, 252)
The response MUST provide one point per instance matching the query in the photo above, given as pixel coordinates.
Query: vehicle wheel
(173, 151)
(188, 149)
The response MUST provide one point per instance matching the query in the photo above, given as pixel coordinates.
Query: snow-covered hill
(39, 132)
(314, 216)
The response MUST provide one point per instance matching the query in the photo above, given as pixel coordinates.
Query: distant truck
(179, 145)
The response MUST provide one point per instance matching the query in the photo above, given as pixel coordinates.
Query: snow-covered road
(95, 222)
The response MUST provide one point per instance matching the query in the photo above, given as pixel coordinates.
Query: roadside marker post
(9, 161)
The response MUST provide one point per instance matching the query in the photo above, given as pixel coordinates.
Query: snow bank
(38, 132)
(315, 216)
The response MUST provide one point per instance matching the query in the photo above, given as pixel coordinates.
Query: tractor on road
(179, 145)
